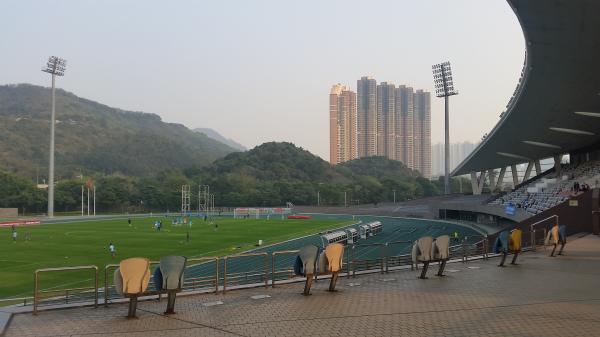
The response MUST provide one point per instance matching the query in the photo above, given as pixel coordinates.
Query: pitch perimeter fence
(386, 252)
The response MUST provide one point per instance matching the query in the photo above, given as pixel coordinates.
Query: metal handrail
(106, 268)
(36, 280)
(209, 258)
(227, 258)
(273, 255)
(532, 229)
(540, 221)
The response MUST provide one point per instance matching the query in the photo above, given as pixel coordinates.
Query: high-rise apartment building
(422, 132)
(458, 153)
(390, 121)
(366, 126)
(342, 124)
(386, 120)
(404, 125)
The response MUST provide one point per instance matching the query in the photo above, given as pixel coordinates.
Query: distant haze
(261, 70)
(219, 137)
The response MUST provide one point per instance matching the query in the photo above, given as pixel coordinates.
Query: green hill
(275, 173)
(275, 161)
(268, 175)
(93, 137)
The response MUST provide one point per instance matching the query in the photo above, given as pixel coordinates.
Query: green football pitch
(86, 243)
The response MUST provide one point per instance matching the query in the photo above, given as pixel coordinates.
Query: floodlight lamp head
(442, 80)
(55, 66)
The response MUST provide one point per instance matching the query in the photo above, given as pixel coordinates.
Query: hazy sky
(259, 71)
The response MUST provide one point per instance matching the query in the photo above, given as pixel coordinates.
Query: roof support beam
(515, 175)
(492, 176)
(557, 167)
(500, 180)
(538, 168)
(477, 183)
(528, 171)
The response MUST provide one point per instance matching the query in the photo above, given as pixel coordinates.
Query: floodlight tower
(203, 193)
(444, 87)
(55, 66)
(185, 200)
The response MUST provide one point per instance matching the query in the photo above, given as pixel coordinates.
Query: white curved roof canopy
(556, 108)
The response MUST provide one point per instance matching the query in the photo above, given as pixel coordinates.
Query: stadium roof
(556, 106)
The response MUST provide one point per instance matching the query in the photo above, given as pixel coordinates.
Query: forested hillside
(93, 138)
(269, 175)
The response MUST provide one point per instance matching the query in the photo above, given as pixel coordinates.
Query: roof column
(515, 175)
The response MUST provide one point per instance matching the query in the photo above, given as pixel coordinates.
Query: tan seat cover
(135, 272)
(334, 253)
(555, 234)
(552, 237)
(441, 247)
(422, 249)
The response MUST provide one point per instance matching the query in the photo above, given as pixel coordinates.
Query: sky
(261, 70)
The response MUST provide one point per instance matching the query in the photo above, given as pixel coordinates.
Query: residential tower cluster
(381, 120)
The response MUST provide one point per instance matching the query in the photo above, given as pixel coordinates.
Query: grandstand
(546, 192)
(553, 114)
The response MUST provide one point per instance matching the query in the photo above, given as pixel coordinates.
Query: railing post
(348, 262)
(106, 285)
(35, 292)
(353, 262)
(96, 281)
(266, 270)
(273, 269)
(533, 243)
(545, 234)
(384, 258)
(486, 246)
(464, 251)
(224, 274)
(217, 275)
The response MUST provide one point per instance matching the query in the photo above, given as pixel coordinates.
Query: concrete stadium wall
(577, 218)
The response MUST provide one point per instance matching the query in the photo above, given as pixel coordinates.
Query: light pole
(81, 199)
(318, 198)
(56, 67)
(394, 196)
(444, 87)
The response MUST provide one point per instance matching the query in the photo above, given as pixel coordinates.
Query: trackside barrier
(470, 248)
(392, 254)
(204, 272)
(107, 268)
(199, 282)
(286, 271)
(369, 256)
(228, 277)
(37, 293)
(534, 239)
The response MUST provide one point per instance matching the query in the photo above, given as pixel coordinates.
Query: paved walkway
(542, 296)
